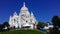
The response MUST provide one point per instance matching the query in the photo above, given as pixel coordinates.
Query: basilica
(24, 19)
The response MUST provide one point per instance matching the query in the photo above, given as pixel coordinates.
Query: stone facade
(23, 20)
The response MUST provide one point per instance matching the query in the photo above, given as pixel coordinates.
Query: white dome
(24, 7)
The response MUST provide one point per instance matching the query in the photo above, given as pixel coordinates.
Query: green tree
(0, 27)
(56, 24)
(41, 25)
(6, 24)
(59, 23)
(55, 21)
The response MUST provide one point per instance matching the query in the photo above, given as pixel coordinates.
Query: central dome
(24, 7)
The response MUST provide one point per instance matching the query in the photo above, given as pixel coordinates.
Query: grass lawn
(22, 32)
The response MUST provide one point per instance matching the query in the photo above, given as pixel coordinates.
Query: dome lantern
(24, 7)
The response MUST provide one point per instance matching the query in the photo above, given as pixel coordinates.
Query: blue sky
(43, 10)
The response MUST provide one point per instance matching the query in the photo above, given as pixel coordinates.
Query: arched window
(14, 20)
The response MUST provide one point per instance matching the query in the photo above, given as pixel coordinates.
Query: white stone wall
(23, 18)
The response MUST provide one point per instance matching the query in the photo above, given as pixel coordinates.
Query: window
(31, 20)
(14, 20)
(17, 21)
(26, 21)
(23, 15)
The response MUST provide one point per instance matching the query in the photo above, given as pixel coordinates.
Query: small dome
(24, 7)
(15, 13)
